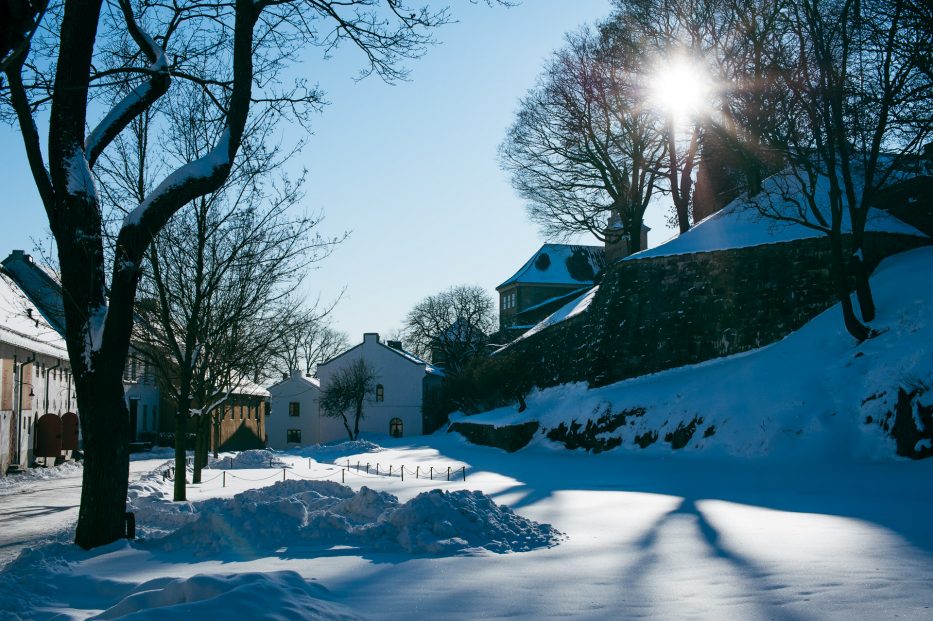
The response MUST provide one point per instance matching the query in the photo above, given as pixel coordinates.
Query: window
(395, 427)
(294, 408)
(293, 435)
(380, 392)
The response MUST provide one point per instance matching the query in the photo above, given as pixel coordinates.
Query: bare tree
(582, 148)
(306, 342)
(857, 115)
(246, 44)
(347, 392)
(451, 327)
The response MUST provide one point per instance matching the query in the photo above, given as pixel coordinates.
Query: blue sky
(410, 169)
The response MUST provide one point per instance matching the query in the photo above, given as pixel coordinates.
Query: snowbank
(266, 596)
(813, 394)
(327, 514)
(331, 451)
(30, 476)
(248, 460)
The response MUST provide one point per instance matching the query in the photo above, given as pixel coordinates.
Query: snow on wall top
(22, 326)
(560, 264)
(571, 309)
(741, 225)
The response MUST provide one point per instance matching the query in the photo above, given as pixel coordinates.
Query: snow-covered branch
(139, 99)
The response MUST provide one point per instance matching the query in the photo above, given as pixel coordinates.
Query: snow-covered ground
(793, 509)
(642, 536)
(813, 394)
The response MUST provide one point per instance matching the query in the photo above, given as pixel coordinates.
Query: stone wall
(663, 312)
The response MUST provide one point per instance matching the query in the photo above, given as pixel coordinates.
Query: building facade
(406, 399)
(293, 418)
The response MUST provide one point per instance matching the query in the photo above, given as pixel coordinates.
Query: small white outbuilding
(293, 418)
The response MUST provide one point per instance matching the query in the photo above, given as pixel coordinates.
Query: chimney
(370, 337)
(395, 345)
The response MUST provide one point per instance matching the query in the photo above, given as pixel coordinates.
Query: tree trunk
(855, 327)
(201, 446)
(866, 300)
(105, 428)
(181, 433)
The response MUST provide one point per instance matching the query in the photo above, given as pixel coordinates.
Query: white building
(38, 411)
(406, 401)
(293, 418)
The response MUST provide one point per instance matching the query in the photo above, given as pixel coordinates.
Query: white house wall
(305, 393)
(53, 393)
(402, 382)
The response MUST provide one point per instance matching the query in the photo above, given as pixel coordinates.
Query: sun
(680, 88)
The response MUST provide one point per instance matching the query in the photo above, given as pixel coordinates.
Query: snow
(257, 458)
(806, 395)
(236, 596)
(740, 224)
(555, 267)
(794, 509)
(19, 329)
(80, 181)
(571, 309)
(325, 514)
(29, 478)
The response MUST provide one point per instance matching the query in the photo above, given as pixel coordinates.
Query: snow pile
(248, 460)
(813, 394)
(332, 451)
(156, 452)
(324, 513)
(30, 476)
(156, 514)
(266, 596)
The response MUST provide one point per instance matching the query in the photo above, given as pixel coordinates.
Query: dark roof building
(552, 273)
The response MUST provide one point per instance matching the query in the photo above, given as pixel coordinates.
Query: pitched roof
(41, 287)
(561, 264)
(23, 327)
(429, 368)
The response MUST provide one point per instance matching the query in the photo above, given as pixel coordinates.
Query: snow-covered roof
(561, 264)
(740, 224)
(299, 377)
(429, 368)
(42, 288)
(247, 387)
(21, 325)
(571, 309)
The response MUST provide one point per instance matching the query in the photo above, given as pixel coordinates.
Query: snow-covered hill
(814, 393)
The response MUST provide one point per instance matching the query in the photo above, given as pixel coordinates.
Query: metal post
(225, 478)
(403, 473)
(464, 473)
(390, 469)
(432, 473)
(283, 474)
(448, 473)
(417, 471)
(343, 475)
(367, 467)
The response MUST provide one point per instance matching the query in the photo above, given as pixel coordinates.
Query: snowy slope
(807, 394)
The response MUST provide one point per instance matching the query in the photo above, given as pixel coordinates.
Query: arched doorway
(395, 427)
(69, 431)
(49, 436)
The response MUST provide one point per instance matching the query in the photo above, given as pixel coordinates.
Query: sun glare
(680, 88)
